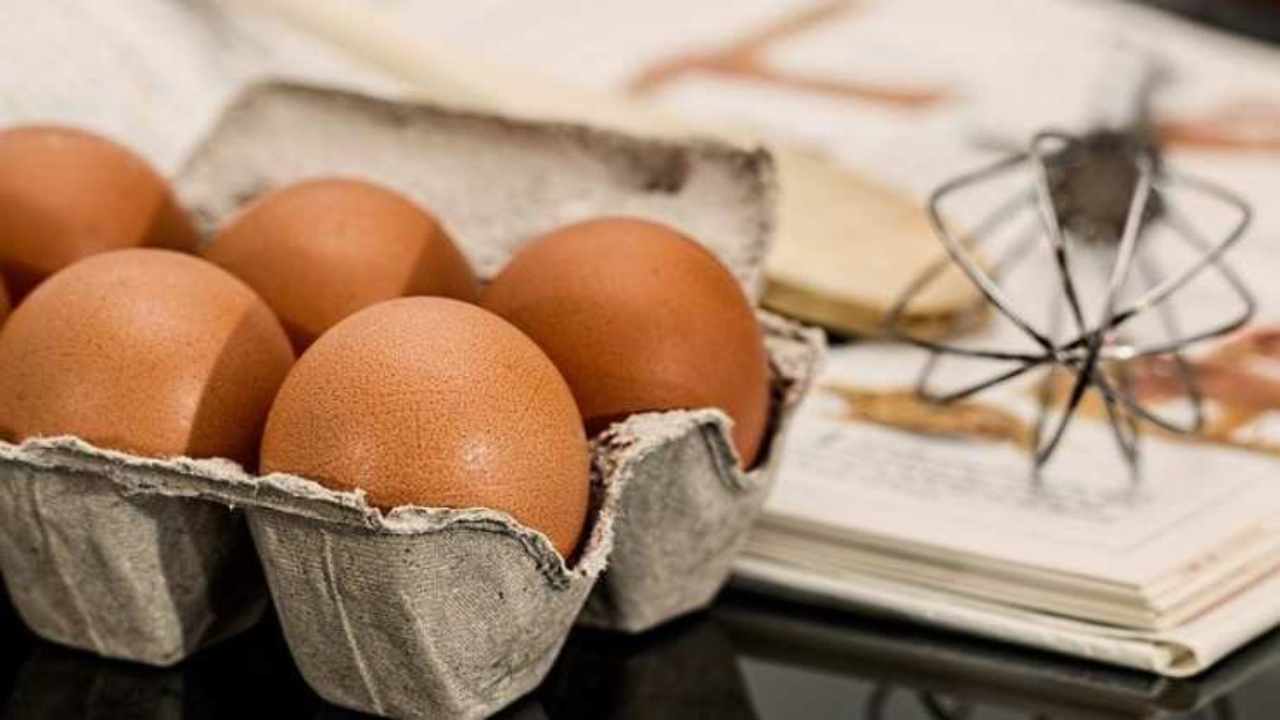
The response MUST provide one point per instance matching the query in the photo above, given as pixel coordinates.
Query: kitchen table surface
(747, 657)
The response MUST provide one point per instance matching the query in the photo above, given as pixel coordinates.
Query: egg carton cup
(413, 613)
(138, 577)
(686, 505)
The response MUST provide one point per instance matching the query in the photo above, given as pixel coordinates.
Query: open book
(1145, 557)
(1167, 576)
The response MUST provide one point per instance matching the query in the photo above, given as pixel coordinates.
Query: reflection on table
(749, 657)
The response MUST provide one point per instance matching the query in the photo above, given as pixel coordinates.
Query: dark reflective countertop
(748, 657)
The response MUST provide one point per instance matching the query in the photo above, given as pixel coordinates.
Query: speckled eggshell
(639, 318)
(319, 250)
(148, 351)
(66, 194)
(436, 403)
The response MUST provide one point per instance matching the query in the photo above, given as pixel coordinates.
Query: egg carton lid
(493, 182)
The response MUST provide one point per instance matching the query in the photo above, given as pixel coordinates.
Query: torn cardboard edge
(226, 482)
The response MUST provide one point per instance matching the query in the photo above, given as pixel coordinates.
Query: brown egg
(434, 402)
(639, 318)
(148, 351)
(66, 194)
(320, 250)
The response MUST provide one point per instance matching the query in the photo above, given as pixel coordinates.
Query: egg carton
(417, 612)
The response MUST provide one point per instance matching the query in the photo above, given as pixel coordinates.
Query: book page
(1178, 652)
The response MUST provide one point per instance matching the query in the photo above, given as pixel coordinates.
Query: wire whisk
(1099, 196)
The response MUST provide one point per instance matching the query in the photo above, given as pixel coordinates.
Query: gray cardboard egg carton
(418, 612)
